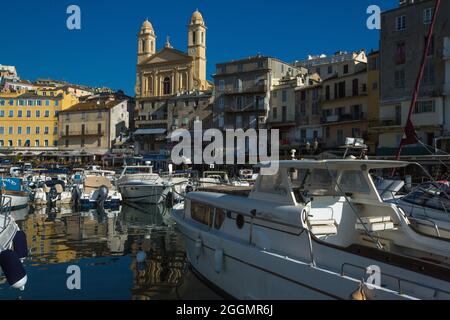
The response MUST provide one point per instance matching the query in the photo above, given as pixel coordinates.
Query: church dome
(147, 26)
(197, 18)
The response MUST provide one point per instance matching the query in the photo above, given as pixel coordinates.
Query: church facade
(171, 87)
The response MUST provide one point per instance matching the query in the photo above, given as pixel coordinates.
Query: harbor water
(134, 253)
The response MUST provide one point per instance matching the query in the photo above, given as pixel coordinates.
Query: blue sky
(103, 53)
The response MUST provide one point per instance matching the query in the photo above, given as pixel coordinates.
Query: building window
(340, 136)
(28, 113)
(400, 53)
(19, 143)
(36, 143)
(425, 107)
(428, 74)
(355, 87)
(240, 68)
(315, 108)
(83, 129)
(194, 37)
(2, 102)
(30, 103)
(284, 96)
(2, 113)
(327, 93)
(45, 143)
(38, 113)
(399, 78)
(239, 103)
(55, 130)
(303, 109)
(428, 15)
(46, 113)
(99, 115)
(167, 86)
(2, 130)
(10, 143)
(46, 130)
(342, 89)
(99, 128)
(275, 113)
(38, 130)
(11, 130)
(19, 113)
(221, 85)
(47, 103)
(400, 23)
(431, 49)
(39, 103)
(221, 102)
(27, 143)
(346, 69)
(11, 113)
(330, 69)
(19, 130)
(56, 103)
(28, 130)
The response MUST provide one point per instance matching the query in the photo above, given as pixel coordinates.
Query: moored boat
(313, 230)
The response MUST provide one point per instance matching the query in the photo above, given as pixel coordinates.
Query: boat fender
(20, 245)
(359, 294)
(13, 269)
(198, 247)
(218, 260)
(141, 256)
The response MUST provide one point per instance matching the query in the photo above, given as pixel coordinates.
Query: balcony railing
(245, 89)
(86, 133)
(343, 117)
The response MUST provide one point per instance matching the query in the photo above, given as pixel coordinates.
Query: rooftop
(93, 105)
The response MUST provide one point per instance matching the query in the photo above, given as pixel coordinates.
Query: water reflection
(132, 253)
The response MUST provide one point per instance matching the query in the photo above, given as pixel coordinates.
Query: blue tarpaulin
(11, 184)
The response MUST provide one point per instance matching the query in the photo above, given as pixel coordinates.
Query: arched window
(143, 45)
(203, 39)
(167, 86)
(194, 40)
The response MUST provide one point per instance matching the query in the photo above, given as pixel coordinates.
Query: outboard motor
(189, 188)
(169, 200)
(13, 269)
(20, 245)
(102, 196)
(53, 194)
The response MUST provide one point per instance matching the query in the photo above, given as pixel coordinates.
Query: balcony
(80, 133)
(257, 88)
(141, 122)
(344, 118)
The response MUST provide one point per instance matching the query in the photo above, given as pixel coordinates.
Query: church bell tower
(197, 49)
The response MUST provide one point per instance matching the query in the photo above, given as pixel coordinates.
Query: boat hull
(149, 194)
(19, 199)
(247, 272)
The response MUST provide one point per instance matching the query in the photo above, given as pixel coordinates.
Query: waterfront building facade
(94, 126)
(403, 38)
(28, 119)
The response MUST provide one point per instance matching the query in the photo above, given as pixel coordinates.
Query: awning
(149, 132)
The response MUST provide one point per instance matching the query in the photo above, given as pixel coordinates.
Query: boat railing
(5, 208)
(429, 222)
(397, 279)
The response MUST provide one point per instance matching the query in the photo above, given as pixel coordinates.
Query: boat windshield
(323, 182)
(434, 196)
(137, 170)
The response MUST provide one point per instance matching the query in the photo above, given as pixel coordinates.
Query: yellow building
(28, 119)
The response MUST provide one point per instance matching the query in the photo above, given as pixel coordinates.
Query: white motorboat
(99, 192)
(15, 189)
(314, 230)
(52, 192)
(13, 246)
(139, 184)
